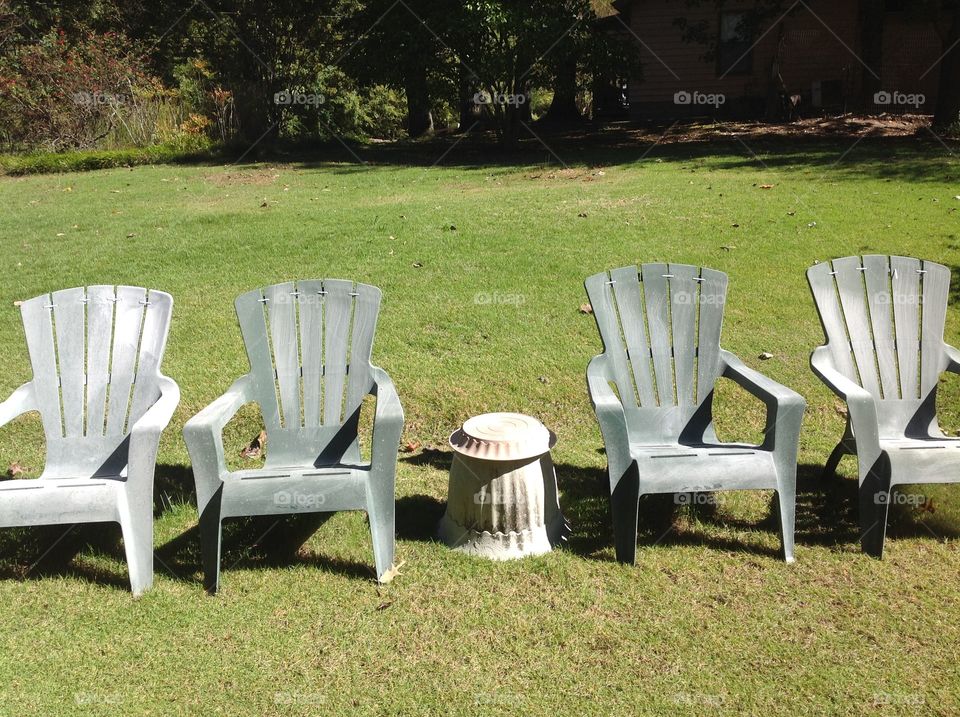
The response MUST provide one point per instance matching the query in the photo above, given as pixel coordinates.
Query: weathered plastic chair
(309, 347)
(96, 355)
(661, 339)
(883, 317)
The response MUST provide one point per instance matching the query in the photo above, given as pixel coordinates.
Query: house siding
(820, 45)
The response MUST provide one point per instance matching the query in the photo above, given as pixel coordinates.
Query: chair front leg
(211, 541)
(625, 509)
(874, 499)
(136, 521)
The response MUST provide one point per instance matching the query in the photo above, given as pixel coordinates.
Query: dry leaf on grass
(15, 470)
(393, 572)
(255, 448)
(586, 309)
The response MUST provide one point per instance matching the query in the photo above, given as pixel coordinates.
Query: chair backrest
(309, 345)
(660, 327)
(96, 354)
(883, 317)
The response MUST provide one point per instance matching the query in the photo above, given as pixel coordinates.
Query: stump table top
(502, 437)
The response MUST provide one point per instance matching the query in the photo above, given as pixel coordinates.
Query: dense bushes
(63, 94)
(115, 75)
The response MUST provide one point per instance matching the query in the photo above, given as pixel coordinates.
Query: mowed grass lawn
(482, 271)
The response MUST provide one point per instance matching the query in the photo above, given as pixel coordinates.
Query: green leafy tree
(406, 45)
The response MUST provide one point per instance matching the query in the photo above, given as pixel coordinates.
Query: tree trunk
(508, 119)
(871, 50)
(947, 111)
(563, 109)
(470, 111)
(775, 87)
(419, 116)
(257, 114)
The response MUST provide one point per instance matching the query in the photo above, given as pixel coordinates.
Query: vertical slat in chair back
(96, 354)
(660, 327)
(309, 345)
(883, 317)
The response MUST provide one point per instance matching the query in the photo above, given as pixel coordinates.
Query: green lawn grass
(482, 270)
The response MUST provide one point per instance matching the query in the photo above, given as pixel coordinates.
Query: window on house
(735, 48)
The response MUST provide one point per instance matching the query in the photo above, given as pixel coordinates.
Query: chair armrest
(21, 401)
(610, 416)
(860, 403)
(953, 358)
(387, 420)
(784, 407)
(145, 433)
(203, 435)
(756, 383)
(159, 414)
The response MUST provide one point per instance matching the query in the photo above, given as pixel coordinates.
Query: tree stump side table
(502, 498)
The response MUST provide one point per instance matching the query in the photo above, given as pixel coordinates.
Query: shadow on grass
(826, 516)
(918, 158)
(172, 485)
(258, 542)
(261, 542)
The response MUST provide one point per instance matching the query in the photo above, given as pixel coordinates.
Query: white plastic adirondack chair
(883, 317)
(309, 347)
(96, 355)
(661, 337)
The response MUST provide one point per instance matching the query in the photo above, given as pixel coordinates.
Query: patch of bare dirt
(848, 125)
(586, 175)
(252, 177)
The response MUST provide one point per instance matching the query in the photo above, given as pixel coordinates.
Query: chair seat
(55, 483)
(296, 471)
(282, 490)
(54, 501)
(680, 468)
(935, 460)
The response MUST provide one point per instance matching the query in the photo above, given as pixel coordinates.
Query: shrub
(62, 94)
(210, 108)
(78, 161)
(384, 113)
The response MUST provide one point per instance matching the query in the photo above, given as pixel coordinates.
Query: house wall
(820, 45)
(911, 51)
